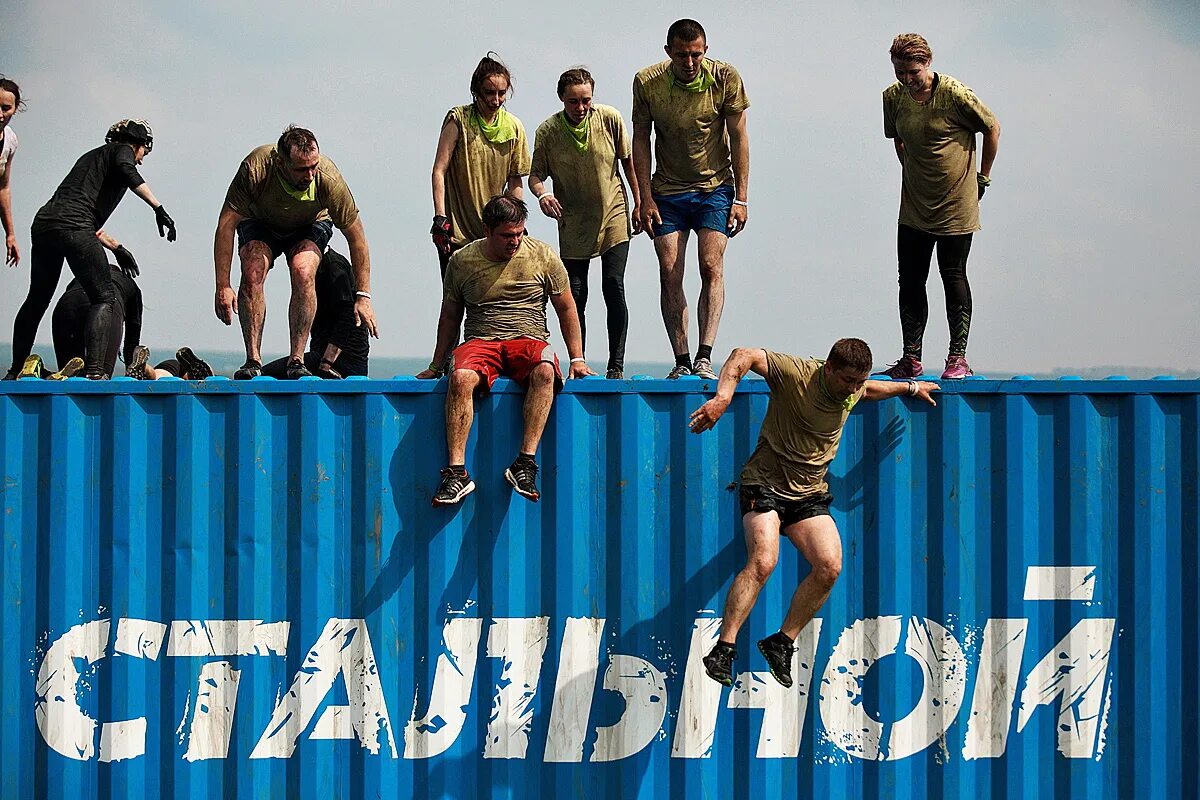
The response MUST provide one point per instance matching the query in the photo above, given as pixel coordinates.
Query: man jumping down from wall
(783, 489)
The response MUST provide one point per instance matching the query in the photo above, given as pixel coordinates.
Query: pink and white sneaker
(957, 368)
(906, 367)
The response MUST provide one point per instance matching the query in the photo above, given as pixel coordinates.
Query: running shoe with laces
(32, 368)
(703, 369)
(251, 369)
(719, 663)
(297, 370)
(778, 653)
(326, 370)
(906, 367)
(957, 368)
(522, 476)
(454, 487)
(196, 368)
(678, 371)
(68, 370)
(614, 374)
(136, 368)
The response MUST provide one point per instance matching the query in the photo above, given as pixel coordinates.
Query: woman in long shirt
(481, 152)
(10, 103)
(579, 149)
(66, 228)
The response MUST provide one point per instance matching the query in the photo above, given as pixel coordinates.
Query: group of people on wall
(287, 197)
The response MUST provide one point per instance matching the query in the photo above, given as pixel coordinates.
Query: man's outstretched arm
(882, 390)
(740, 361)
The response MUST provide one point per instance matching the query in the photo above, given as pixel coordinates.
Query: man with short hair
(502, 282)
(783, 488)
(286, 198)
(696, 107)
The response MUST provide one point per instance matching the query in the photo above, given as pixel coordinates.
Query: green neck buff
(306, 195)
(578, 132)
(847, 404)
(701, 83)
(503, 128)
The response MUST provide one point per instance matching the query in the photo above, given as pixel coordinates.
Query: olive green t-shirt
(801, 432)
(691, 143)
(939, 193)
(595, 213)
(505, 299)
(479, 170)
(258, 192)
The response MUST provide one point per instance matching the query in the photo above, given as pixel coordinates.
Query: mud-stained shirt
(505, 299)
(801, 431)
(691, 143)
(479, 170)
(938, 192)
(259, 191)
(587, 183)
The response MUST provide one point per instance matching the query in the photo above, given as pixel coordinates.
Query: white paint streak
(697, 721)
(211, 725)
(521, 643)
(784, 709)
(578, 665)
(995, 688)
(1060, 583)
(453, 678)
(333, 724)
(120, 741)
(139, 638)
(1076, 671)
(227, 637)
(66, 728)
(344, 647)
(645, 692)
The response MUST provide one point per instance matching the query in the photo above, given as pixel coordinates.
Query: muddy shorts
(759, 499)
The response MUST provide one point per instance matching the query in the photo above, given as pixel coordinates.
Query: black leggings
(914, 249)
(85, 256)
(69, 326)
(612, 285)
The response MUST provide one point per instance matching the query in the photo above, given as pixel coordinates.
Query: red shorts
(511, 358)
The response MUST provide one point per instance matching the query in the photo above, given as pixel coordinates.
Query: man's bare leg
(818, 541)
(460, 412)
(761, 530)
(671, 249)
(303, 261)
(538, 400)
(252, 304)
(712, 283)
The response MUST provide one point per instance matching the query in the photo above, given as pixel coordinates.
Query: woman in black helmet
(66, 228)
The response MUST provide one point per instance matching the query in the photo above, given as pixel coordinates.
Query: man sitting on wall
(502, 282)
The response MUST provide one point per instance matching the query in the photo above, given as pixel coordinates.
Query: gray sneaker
(678, 371)
(703, 369)
(136, 368)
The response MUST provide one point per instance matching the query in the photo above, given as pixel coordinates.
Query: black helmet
(132, 131)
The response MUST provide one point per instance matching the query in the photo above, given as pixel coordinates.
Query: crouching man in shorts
(783, 488)
(502, 283)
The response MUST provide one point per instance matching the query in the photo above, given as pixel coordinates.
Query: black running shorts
(759, 499)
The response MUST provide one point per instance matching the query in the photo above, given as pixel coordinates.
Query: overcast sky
(1088, 253)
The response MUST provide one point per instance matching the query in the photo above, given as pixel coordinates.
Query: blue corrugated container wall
(236, 591)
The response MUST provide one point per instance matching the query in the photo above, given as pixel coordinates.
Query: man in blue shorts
(696, 107)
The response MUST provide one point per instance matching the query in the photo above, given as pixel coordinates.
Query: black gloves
(126, 262)
(983, 181)
(441, 234)
(166, 225)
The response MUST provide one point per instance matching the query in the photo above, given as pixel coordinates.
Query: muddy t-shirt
(939, 193)
(691, 143)
(801, 431)
(587, 183)
(259, 191)
(505, 299)
(479, 170)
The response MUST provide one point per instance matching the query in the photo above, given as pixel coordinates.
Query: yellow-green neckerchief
(306, 195)
(847, 404)
(578, 132)
(701, 83)
(503, 128)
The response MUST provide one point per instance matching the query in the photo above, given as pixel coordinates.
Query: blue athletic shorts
(251, 230)
(691, 211)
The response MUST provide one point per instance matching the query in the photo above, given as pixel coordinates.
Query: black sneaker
(251, 369)
(522, 476)
(719, 663)
(12, 373)
(454, 487)
(615, 374)
(196, 368)
(297, 370)
(136, 368)
(778, 653)
(326, 370)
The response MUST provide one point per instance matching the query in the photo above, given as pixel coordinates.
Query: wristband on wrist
(434, 367)
(544, 195)
(982, 179)
(579, 360)
(912, 388)
(363, 294)
(742, 203)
